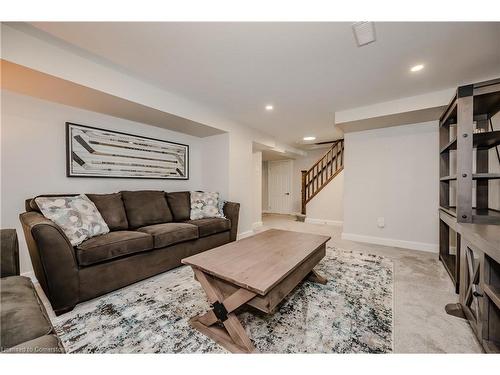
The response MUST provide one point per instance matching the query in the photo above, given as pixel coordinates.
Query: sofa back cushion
(180, 205)
(146, 207)
(112, 210)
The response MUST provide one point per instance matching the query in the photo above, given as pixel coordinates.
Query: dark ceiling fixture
(327, 142)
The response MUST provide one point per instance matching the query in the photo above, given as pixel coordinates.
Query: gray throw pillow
(78, 216)
(204, 205)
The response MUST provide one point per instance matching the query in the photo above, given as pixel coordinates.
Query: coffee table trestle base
(259, 271)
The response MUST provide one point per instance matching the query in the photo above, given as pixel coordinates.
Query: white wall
(257, 189)
(265, 186)
(393, 173)
(33, 157)
(215, 164)
(328, 205)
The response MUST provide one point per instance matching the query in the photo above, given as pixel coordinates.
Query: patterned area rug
(352, 313)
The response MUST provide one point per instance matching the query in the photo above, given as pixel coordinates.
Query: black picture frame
(69, 156)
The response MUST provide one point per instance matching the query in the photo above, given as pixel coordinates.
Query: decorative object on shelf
(93, 152)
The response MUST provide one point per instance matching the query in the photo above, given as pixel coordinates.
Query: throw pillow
(222, 202)
(77, 216)
(204, 205)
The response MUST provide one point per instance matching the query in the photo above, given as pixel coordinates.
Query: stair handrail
(323, 170)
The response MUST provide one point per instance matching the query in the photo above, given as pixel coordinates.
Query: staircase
(322, 172)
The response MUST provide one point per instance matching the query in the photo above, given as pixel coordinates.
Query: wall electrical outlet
(381, 222)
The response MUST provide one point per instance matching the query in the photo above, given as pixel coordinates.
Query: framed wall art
(94, 152)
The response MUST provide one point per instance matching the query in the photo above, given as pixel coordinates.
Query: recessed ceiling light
(269, 107)
(417, 68)
(309, 138)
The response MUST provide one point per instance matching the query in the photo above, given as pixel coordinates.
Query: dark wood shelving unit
(471, 104)
(480, 283)
(475, 176)
(480, 140)
(465, 128)
(479, 215)
(450, 264)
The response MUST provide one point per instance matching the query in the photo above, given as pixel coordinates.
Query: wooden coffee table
(259, 271)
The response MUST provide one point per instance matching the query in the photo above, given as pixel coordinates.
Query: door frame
(290, 175)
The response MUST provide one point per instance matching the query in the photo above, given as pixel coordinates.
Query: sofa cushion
(180, 204)
(112, 209)
(170, 233)
(23, 316)
(112, 245)
(146, 207)
(206, 227)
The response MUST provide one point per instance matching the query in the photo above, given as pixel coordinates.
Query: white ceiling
(306, 70)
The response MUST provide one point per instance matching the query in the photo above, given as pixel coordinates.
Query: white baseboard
(336, 223)
(248, 233)
(412, 245)
(257, 224)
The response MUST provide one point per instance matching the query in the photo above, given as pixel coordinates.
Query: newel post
(303, 210)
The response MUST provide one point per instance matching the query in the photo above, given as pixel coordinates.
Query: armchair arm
(232, 212)
(9, 253)
(53, 259)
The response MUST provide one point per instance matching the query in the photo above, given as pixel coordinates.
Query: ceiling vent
(364, 32)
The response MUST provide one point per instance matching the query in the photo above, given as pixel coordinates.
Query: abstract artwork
(93, 152)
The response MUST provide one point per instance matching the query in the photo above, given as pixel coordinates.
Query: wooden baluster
(330, 166)
(317, 178)
(303, 192)
(313, 181)
(322, 169)
(327, 164)
(307, 185)
(336, 159)
(342, 154)
(331, 162)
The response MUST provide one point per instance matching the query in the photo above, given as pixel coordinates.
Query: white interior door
(280, 186)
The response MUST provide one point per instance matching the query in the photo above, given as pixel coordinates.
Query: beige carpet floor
(422, 289)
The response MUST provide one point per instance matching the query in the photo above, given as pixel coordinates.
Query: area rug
(352, 313)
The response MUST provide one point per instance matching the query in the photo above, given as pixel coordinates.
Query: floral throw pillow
(222, 202)
(204, 205)
(78, 216)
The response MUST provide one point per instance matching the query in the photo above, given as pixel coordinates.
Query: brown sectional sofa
(25, 326)
(150, 232)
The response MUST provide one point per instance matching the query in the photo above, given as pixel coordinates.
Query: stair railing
(322, 172)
